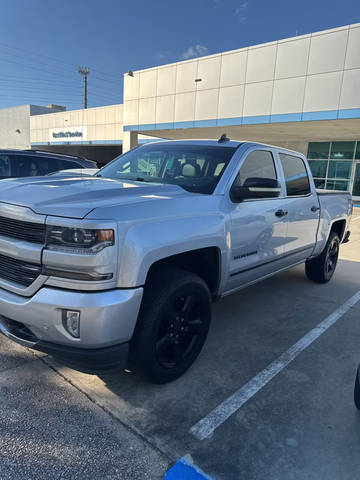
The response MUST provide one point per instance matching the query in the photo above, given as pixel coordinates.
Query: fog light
(71, 322)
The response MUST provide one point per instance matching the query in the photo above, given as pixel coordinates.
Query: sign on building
(69, 134)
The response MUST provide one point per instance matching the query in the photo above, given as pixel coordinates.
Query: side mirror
(254, 187)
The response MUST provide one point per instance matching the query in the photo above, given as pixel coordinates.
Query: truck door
(302, 207)
(257, 230)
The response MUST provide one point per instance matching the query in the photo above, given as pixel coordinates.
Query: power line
(30, 89)
(36, 85)
(42, 88)
(35, 79)
(55, 60)
(47, 72)
(32, 67)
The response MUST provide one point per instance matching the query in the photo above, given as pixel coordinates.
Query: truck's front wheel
(172, 326)
(320, 269)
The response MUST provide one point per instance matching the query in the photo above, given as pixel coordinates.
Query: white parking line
(206, 427)
(355, 219)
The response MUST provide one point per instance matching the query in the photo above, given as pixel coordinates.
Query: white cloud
(240, 12)
(194, 51)
(161, 55)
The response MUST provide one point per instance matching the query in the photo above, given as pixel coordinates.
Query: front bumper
(107, 322)
(87, 360)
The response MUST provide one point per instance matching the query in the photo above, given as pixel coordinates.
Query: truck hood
(77, 197)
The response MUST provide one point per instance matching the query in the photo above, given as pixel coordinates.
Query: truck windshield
(196, 168)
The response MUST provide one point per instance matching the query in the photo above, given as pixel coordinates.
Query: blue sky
(43, 41)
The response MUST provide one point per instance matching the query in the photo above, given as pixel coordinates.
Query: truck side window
(258, 164)
(296, 177)
(32, 166)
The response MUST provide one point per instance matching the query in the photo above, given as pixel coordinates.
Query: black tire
(321, 269)
(172, 327)
(357, 390)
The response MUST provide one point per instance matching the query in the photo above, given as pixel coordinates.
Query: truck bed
(322, 192)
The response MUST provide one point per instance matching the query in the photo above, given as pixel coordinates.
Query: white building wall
(300, 76)
(15, 125)
(104, 124)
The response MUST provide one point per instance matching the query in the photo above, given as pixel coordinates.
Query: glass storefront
(356, 188)
(319, 150)
(336, 165)
(342, 150)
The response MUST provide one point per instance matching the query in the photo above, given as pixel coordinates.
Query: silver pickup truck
(120, 270)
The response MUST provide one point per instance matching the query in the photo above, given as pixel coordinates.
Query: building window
(357, 151)
(332, 164)
(318, 168)
(320, 183)
(356, 185)
(337, 185)
(318, 150)
(339, 169)
(343, 150)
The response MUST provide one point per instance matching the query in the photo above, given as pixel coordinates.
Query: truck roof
(229, 143)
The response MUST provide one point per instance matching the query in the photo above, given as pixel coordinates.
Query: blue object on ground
(183, 470)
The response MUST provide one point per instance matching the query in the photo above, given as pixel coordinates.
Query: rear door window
(296, 177)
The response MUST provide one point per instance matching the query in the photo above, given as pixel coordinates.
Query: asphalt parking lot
(60, 424)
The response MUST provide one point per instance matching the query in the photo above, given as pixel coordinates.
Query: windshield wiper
(142, 179)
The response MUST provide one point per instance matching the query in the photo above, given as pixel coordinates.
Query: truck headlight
(78, 240)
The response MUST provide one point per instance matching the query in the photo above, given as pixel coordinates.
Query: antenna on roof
(223, 138)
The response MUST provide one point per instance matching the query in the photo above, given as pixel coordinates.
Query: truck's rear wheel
(172, 326)
(320, 269)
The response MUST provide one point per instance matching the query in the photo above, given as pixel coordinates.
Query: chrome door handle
(314, 208)
(281, 213)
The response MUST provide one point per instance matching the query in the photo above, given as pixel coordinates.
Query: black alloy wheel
(172, 326)
(321, 268)
(332, 257)
(179, 330)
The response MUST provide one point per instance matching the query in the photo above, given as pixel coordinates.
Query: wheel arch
(205, 262)
(338, 227)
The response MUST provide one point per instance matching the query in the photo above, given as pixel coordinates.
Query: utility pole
(84, 71)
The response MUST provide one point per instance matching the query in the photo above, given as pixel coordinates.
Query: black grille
(18, 271)
(28, 231)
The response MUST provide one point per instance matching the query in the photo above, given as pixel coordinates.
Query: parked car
(30, 163)
(122, 270)
(74, 172)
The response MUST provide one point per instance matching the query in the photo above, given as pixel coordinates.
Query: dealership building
(302, 93)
